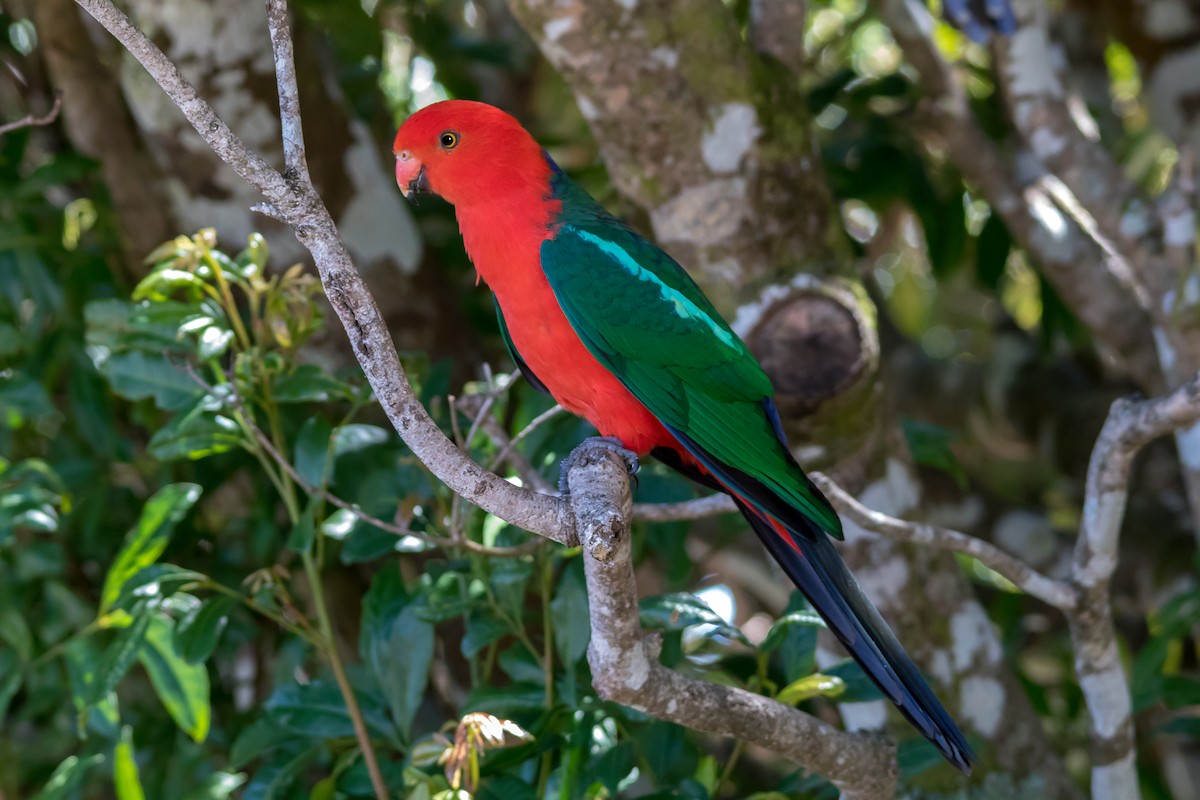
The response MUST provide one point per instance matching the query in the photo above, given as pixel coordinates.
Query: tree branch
(1096, 285)
(354, 305)
(1050, 591)
(32, 120)
(625, 665)
(295, 164)
(1131, 424)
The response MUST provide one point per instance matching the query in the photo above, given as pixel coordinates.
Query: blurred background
(951, 255)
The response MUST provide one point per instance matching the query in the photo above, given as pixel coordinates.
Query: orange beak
(410, 175)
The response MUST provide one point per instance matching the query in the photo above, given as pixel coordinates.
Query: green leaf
(197, 633)
(810, 686)
(14, 629)
(308, 383)
(803, 619)
(317, 710)
(148, 538)
(255, 255)
(930, 447)
(397, 644)
(1180, 691)
(262, 736)
(506, 787)
(66, 777)
(991, 252)
(10, 682)
(794, 636)
(273, 779)
(162, 283)
(217, 786)
(199, 431)
(520, 665)
(324, 790)
(119, 656)
(155, 582)
(482, 630)
(917, 755)
(859, 688)
(182, 687)
(126, 780)
(1182, 726)
(353, 437)
(674, 612)
(569, 614)
(137, 375)
(1146, 683)
(506, 700)
(313, 450)
(301, 538)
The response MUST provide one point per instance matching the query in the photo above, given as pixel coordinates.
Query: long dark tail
(811, 560)
(819, 572)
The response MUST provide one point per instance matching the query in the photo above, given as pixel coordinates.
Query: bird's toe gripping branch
(592, 445)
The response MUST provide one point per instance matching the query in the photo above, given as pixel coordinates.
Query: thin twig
(533, 425)
(294, 161)
(1056, 593)
(264, 441)
(699, 508)
(32, 120)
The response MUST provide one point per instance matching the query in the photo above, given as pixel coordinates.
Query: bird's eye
(448, 140)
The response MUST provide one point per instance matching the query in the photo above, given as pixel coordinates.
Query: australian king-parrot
(617, 333)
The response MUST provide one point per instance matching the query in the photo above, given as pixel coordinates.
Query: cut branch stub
(812, 347)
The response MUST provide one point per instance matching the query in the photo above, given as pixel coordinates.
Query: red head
(466, 152)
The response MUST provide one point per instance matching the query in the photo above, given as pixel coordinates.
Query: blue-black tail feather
(819, 572)
(815, 566)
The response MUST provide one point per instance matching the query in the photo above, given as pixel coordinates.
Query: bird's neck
(503, 229)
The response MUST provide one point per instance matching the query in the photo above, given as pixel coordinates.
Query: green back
(641, 315)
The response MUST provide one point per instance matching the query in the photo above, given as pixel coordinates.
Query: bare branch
(1055, 593)
(625, 665)
(264, 441)
(294, 162)
(699, 508)
(1131, 424)
(32, 120)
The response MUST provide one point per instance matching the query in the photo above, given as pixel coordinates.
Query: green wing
(644, 319)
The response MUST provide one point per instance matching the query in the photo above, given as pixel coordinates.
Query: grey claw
(611, 443)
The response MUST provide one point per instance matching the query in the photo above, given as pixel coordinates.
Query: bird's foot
(610, 443)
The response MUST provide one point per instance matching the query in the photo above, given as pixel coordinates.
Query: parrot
(979, 18)
(616, 331)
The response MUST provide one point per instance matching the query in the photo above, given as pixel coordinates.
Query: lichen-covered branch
(1092, 281)
(1130, 425)
(625, 665)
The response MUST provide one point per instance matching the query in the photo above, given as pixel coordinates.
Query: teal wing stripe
(645, 320)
